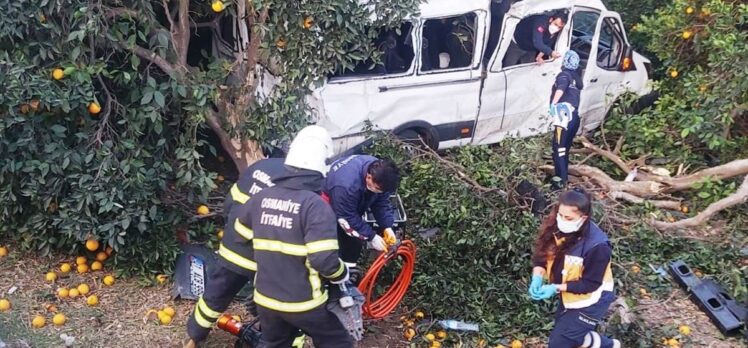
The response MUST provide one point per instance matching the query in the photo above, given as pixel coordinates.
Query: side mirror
(627, 60)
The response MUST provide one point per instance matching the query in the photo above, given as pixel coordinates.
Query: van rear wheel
(415, 137)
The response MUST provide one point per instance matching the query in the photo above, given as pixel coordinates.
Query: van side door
(603, 78)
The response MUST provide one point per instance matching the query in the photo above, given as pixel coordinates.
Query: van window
(583, 24)
(610, 47)
(396, 54)
(448, 43)
(523, 48)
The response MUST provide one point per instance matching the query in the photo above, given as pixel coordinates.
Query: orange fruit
(419, 315)
(308, 22)
(673, 73)
(108, 280)
(684, 330)
(101, 256)
(92, 244)
(164, 318)
(441, 335)
(59, 319)
(51, 277)
(82, 268)
(635, 269)
(516, 344)
(3, 251)
(170, 311)
(220, 234)
(63, 292)
(4, 305)
(38, 322)
(96, 266)
(81, 260)
(686, 35)
(73, 293)
(430, 337)
(83, 289)
(203, 210)
(58, 74)
(65, 267)
(689, 10)
(94, 108)
(409, 333)
(161, 278)
(92, 300)
(217, 6)
(684, 209)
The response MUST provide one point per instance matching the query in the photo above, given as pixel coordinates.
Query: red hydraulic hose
(385, 304)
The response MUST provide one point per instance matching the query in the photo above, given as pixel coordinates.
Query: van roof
(438, 8)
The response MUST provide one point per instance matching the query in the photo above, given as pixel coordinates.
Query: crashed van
(448, 86)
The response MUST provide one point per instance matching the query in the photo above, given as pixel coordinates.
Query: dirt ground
(118, 320)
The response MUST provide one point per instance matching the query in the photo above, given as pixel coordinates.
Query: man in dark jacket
(534, 38)
(236, 265)
(295, 248)
(354, 185)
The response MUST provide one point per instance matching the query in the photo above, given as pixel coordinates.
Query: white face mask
(568, 226)
(553, 29)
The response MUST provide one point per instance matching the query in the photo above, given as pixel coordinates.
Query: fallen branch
(638, 188)
(662, 204)
(605, 153)
(738, 197)
(725, 171)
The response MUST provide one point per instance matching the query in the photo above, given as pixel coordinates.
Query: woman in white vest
(573, 255)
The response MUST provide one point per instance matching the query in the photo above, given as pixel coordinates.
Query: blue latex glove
(546, 292)
(535, 284)
(552, 110)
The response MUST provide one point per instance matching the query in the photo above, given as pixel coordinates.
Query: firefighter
(534, 38)
(574, 255)
(296, 248)
(354, 185)
(564, 110)
(235, 266)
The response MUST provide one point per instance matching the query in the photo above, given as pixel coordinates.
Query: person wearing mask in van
(574, 255)
(564, 107)
(534, 38)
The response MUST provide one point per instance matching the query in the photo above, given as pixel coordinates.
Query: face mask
(553, 29)
(568, 226)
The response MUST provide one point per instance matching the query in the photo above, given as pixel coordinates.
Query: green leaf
(159, 98)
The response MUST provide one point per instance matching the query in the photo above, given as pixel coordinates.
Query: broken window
(609, 48)
(448, 43)
(396, 49)
(583, 24)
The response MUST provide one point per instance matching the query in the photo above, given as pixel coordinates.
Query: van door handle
(544, 74)
(593, 80)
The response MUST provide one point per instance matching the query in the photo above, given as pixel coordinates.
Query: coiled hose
(386, 303)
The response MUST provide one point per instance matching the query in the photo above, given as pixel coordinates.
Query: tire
(417, 137)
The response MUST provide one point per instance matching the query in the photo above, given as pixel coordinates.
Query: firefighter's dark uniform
(346, 188)
(295, 247)
(235, 266)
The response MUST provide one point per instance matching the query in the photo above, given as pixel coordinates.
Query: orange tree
(106, 106)
(703, 50)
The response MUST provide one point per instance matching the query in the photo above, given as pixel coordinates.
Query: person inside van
(564, 110)
(534, 38)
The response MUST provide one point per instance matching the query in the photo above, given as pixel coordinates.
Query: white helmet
(309, 149)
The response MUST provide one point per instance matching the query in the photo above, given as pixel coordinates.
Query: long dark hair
(545, 246)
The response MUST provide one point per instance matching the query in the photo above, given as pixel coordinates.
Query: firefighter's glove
(389, 237)
(345, 278)
(377, 243)
(546, 292)
(535, 284)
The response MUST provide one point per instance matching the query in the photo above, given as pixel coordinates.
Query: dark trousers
(576, 327)
(515, 55)
(350, 247)
(280, 328)
(222, 286)
(561, 143)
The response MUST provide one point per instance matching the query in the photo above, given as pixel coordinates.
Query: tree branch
(605, 153)
(182, 32)
(725, 171)
(154, 58)
(738, 197)
(663, 204)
